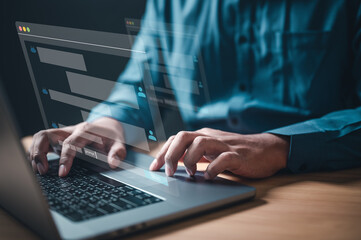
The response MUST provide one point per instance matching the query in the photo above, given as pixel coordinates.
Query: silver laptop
(93, 201)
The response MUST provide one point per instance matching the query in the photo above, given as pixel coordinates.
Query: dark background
(96, 15)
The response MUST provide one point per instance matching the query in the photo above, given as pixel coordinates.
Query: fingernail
(206, 176)
(33, 165)
(153, 165)
(168, 170)
(62, 171)
(40, 168)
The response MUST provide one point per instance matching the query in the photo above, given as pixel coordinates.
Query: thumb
(116, 154)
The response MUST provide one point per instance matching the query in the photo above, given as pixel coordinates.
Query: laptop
(93, 201)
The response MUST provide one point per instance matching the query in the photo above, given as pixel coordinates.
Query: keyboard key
(110, 208)
(135, 200)
(121, 203)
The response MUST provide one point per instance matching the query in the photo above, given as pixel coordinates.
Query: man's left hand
(252, 156)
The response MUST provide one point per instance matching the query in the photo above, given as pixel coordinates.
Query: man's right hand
(104, 134)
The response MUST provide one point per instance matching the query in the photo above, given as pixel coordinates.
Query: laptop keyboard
(85, 194)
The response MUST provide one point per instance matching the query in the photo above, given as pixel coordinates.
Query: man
(284, 79)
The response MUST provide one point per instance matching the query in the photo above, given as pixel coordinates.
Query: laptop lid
(20, 194)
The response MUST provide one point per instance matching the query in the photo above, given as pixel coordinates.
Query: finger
(40, 148)
(116, 154)
(158, 162)
(68, 151)
(202, 146)
(31, 149)
(42, 144)
(177, 149)
(31, 158)
(33, 165)
(224, 161)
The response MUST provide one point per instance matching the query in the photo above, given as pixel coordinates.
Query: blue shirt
(285, 67)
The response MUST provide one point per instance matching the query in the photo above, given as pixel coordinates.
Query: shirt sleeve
(328, 143)
(133, 74)
(334, 140)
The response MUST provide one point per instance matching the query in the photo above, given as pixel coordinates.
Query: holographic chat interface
(75, 70)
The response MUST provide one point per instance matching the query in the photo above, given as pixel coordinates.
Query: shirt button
(242, 87)
(242, 39)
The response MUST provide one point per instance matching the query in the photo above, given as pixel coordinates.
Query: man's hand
(252, 156)
(104, 134)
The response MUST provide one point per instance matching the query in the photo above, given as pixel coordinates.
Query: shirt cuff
(306, 150)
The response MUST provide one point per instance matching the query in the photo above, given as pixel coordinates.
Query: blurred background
(96, 15)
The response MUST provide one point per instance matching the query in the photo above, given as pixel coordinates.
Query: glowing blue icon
(195, 59)
(151, 136)
(141, 93)
(54, 125)
(45, 91)
(200, 84)
(33, 50)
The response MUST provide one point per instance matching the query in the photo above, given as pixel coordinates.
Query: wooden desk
(306, 206)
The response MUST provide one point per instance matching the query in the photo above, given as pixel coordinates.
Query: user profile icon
(44, 91)
(33, 49)
(151, 136)
(140, 92)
